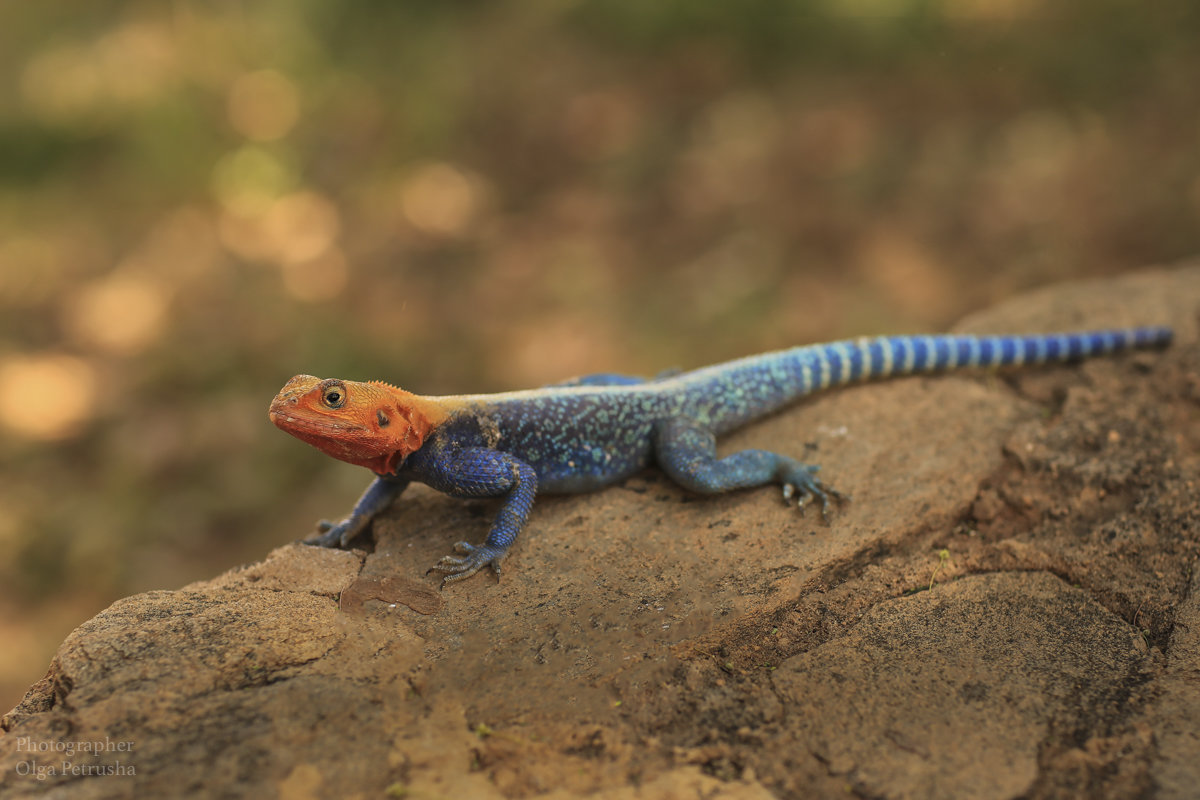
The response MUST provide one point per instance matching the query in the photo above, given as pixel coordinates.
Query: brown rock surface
(1006, 608)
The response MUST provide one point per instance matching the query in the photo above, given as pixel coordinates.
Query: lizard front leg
(687, 452)
(378, 496)
(479, 472)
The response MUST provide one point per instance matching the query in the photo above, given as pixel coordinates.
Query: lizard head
(373, 425)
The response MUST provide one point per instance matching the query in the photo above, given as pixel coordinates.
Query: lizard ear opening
(382, 418)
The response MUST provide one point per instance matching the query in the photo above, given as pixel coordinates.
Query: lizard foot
(473, 558)
(333, 534)
(801, 483)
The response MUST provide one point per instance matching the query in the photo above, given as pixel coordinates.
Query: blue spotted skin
(592, 431)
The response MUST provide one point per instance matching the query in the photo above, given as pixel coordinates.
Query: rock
(1004, 609)
(952, 692)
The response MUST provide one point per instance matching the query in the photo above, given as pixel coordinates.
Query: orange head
(373, 425)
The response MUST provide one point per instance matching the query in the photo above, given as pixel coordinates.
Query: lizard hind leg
(687, 452)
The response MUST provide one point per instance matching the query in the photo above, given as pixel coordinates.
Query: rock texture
(1007, 608)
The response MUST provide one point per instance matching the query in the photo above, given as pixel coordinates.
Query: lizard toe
(329, 535)
(340, 534)
(801, 485)
(473, 559)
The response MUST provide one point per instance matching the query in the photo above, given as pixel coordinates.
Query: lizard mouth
(314, 426)
(286, 415)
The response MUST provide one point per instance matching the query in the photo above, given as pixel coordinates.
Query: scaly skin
(589, 432)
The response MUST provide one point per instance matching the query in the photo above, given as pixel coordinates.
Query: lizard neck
(417, 417)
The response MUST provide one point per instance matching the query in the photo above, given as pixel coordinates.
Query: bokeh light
(120, 314)
(322, 277)
(46, 396)
(80, 83)
(440, 199)
(263, 105)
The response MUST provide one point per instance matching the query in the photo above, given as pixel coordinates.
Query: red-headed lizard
(589, 432)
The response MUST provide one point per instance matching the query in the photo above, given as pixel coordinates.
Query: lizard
(588, 432)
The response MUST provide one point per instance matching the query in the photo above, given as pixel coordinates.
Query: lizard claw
(334, 534)
(473, 559)
(805, 487)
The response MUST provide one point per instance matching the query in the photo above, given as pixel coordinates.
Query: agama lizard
(592, 431)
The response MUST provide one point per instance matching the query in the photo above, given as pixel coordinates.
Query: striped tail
(728, 395)
(863, 359)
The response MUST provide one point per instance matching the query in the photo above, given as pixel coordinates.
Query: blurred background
(199, 200)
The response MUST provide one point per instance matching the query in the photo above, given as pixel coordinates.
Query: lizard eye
(334, 397)
(382, 418)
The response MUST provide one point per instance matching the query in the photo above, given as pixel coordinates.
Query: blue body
(592, 431)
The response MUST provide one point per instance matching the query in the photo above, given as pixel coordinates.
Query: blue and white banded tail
(729, 394)
(863, 359)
